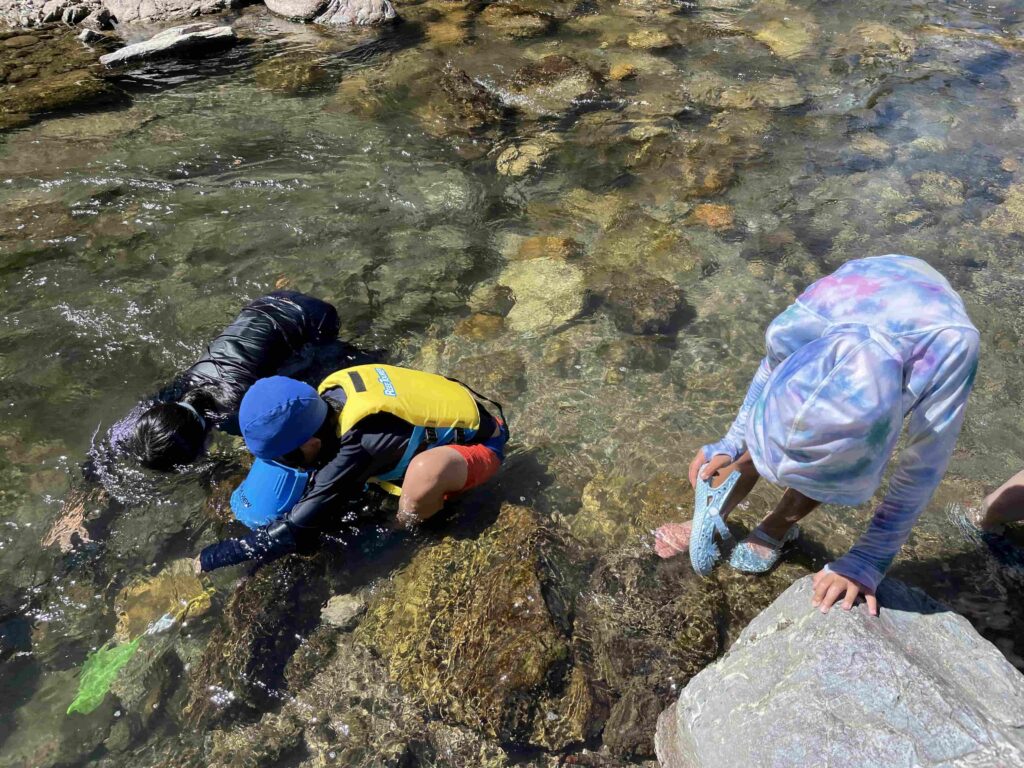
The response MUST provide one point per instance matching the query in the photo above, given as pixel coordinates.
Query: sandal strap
(764, 538)
(721, 526)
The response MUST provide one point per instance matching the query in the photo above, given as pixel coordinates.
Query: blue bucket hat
(828, 419)
(279, 414)
(267, 493)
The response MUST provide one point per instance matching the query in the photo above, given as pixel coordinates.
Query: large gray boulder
(187, 40)
(128, 11)
(915, 686)
(336, 13)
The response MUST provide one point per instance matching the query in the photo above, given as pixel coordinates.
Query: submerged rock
(499, 375)
(343, 611)
(874, 43)
(176, 591)
(548, 293)
(1008, 218)
(651, 625)
(551, 86)
(461, 106)
(859, 691)
(467, 629)
(290, 73)
(262, 625)
(521, 159)
(514, 22)
(644, 304)
(186, 41)
(45, 71)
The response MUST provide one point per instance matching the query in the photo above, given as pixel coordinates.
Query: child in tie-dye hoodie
(879, 340)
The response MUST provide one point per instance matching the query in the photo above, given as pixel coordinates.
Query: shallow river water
(597, 239)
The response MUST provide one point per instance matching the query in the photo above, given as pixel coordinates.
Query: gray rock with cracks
(915, 686)
(187, 40)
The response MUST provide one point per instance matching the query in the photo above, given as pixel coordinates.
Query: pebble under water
(587, 210)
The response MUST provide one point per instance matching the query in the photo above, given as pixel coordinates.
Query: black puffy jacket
(267, 334)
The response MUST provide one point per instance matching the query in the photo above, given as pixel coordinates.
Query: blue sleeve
(792, 329)
(262, 545)
(934, 427)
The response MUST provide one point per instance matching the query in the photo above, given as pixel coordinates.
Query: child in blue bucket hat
(880, 341)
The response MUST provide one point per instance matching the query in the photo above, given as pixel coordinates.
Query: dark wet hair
(167, 435)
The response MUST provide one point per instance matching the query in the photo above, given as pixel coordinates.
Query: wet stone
(1008, 217)
(521, 159)
(644, 304)
(939, 189)
(548, 293)
(46, 72)
(551, 86)
(481, 602)
(547, 246)
(290, 74)
(343, 611)
(299, 10)
(480, 326)
(461, 105)
(498, 375)
(649, 39)
(514, 22)
(176, 591)
(261, 627)
(714, 216)
(873, 43)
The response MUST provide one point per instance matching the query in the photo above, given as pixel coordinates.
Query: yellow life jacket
(441, 411)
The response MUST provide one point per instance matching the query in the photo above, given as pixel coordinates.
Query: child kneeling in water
(416, 434)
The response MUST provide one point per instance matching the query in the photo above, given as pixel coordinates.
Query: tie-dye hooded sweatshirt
(829, 358)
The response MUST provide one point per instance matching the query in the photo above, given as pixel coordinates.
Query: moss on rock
(466, 628)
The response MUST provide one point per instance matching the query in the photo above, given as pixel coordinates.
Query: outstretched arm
(932, 433)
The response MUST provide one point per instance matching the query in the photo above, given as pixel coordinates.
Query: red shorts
(481, 463)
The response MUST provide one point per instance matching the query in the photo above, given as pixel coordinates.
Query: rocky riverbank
(915, 685)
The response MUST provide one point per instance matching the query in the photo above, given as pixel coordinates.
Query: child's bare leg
(430, 477)
(791, 509)
(1004, 505)
(748, 479)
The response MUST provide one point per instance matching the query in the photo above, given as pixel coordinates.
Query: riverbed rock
(49, 70)
(644, 304)
(499, 375)
(131, 11)
(521, 159)
(176, 591)
(461, 106)
(514, 22)
(714, 90)
(296, 10)
(551, 86)
(873, 43)
(548, 293)
(651, 625)
(261, 626)
(357, 13)
(915, 685)
(468, 630)
(188, 40)
(1008, 217)
(343, 611)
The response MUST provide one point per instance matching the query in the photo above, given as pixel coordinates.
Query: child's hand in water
(829, 586)
(197, 566)
(672, 539)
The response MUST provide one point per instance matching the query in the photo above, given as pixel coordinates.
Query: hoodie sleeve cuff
(722, 448)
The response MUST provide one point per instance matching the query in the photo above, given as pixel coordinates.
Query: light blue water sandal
(745, 559)
(707, 520)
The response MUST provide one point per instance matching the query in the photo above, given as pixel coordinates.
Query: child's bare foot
(672, 539)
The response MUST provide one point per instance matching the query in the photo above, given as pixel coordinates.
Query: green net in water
(99, 673)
